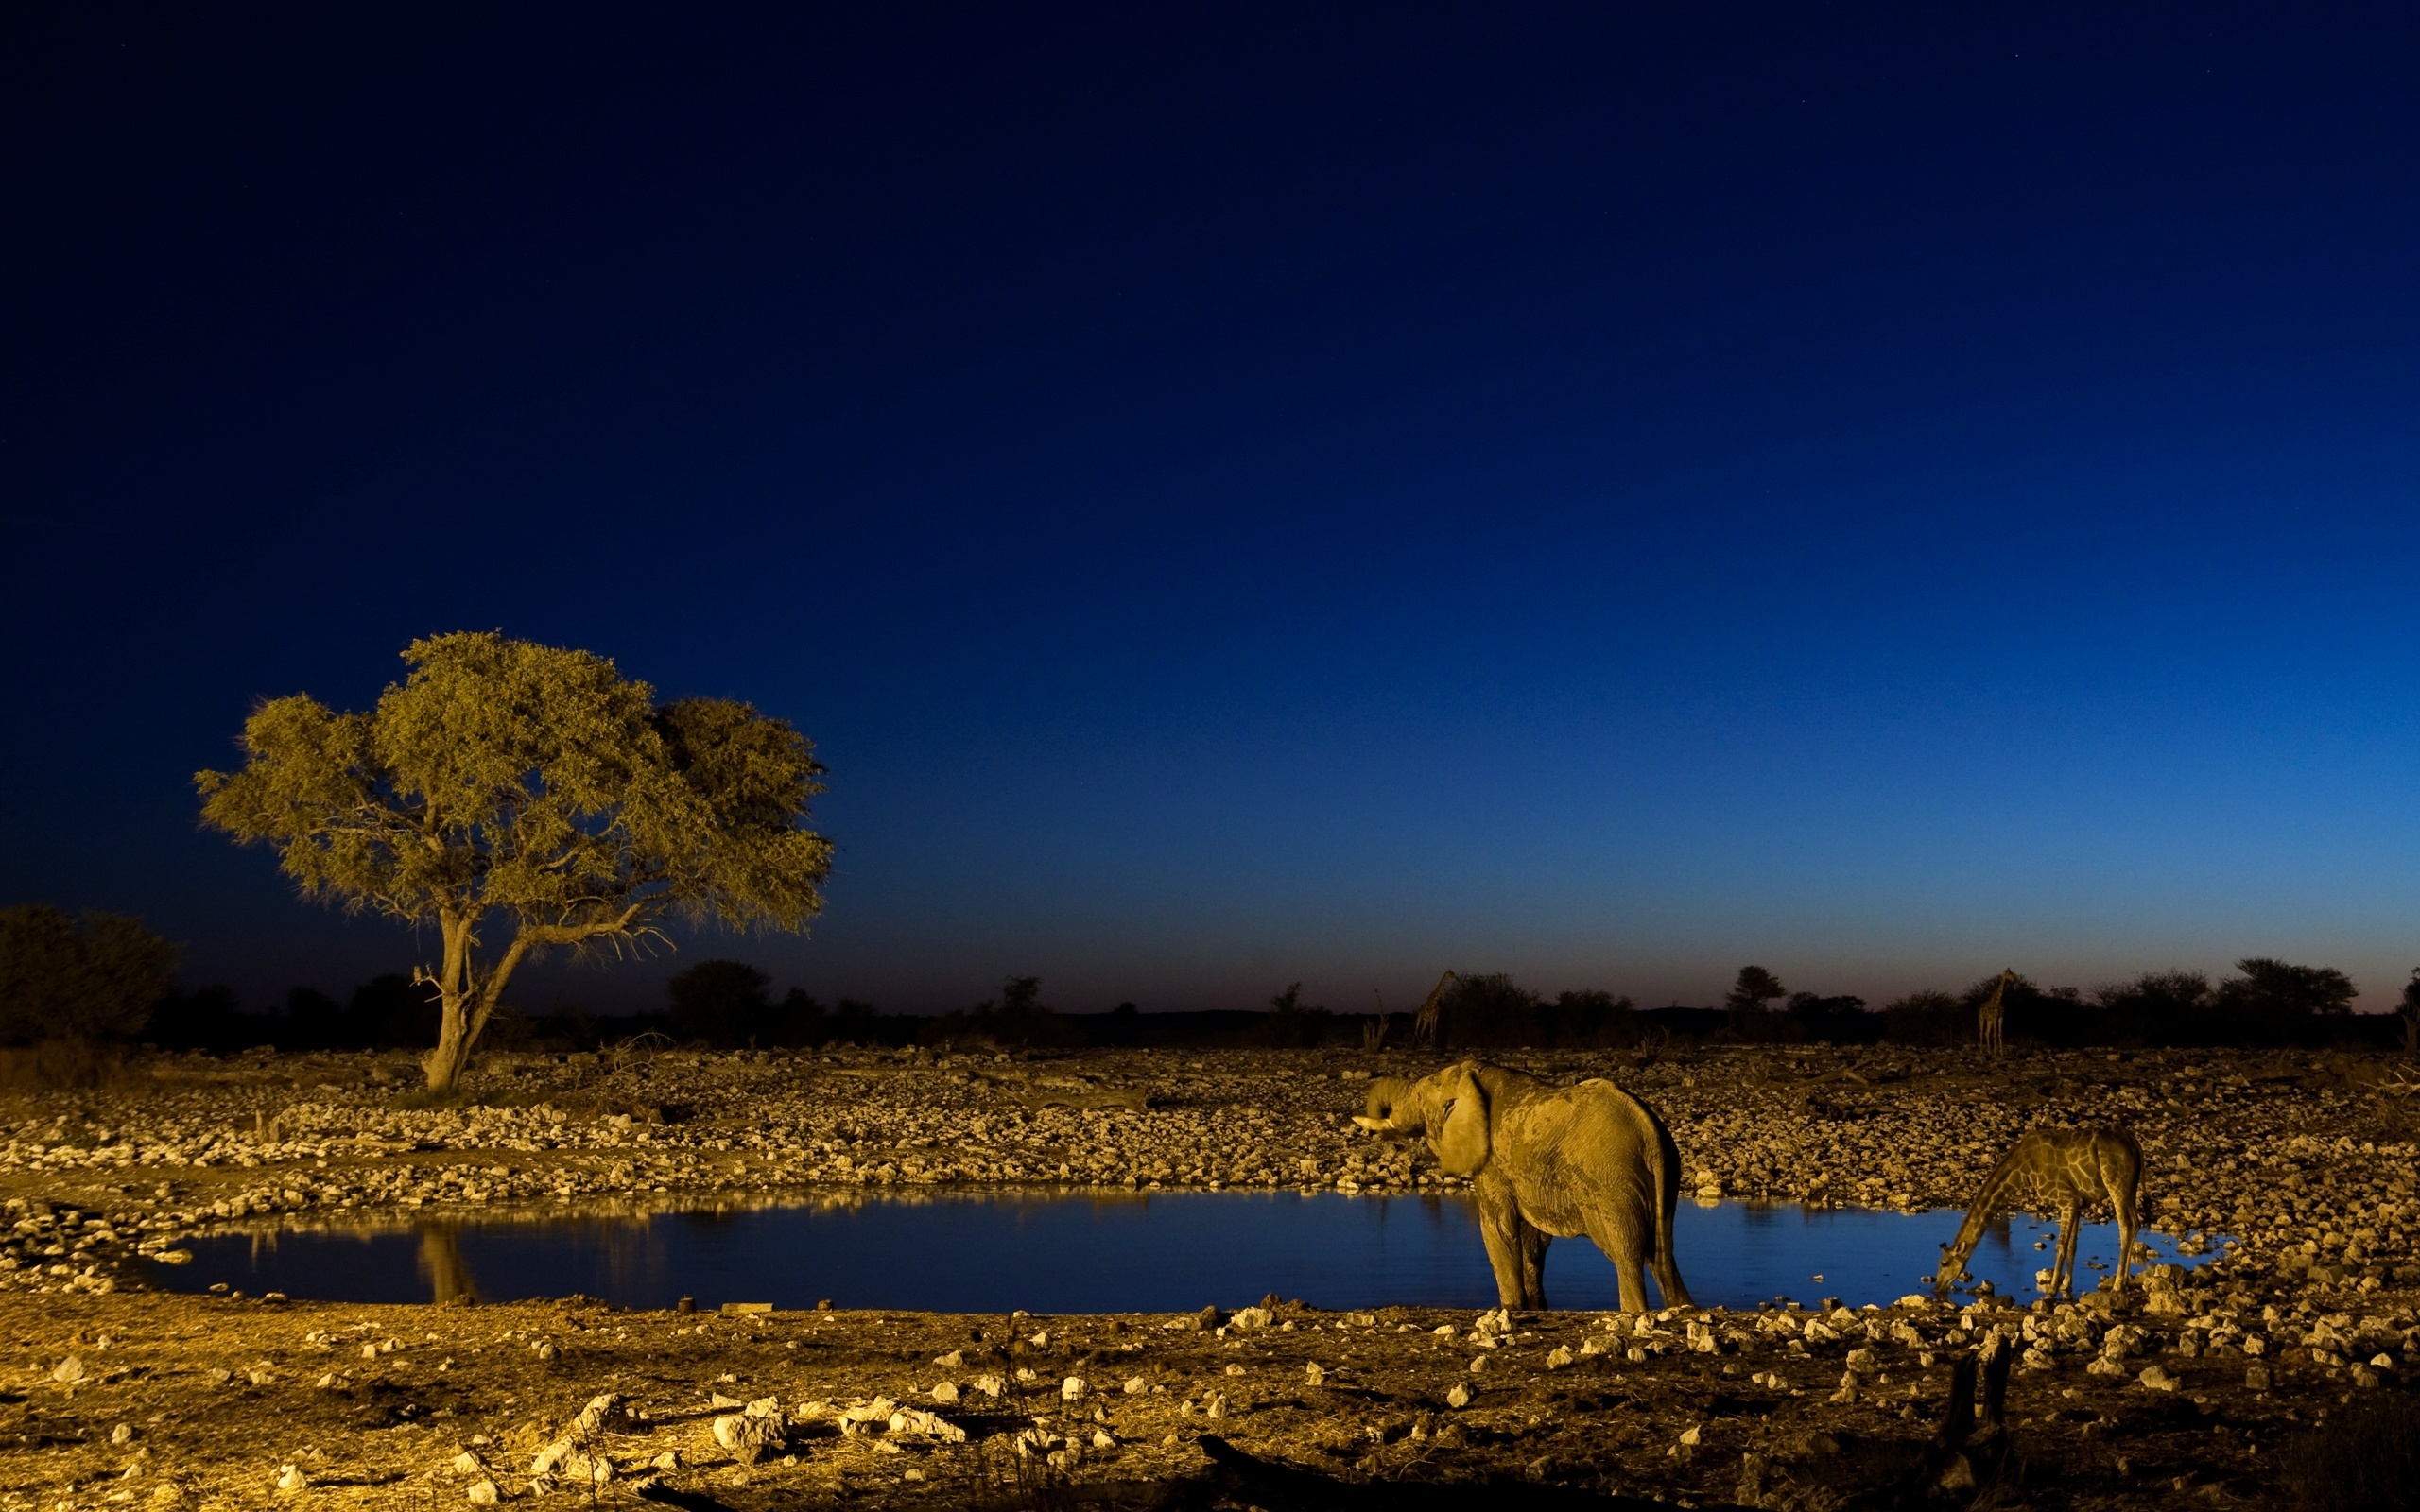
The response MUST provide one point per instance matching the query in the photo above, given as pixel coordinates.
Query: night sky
(1241, 494)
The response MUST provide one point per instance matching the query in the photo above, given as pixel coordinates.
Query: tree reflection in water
(442, 1265)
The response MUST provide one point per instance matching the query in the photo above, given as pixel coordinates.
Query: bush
(1929, 1017)
(58, 1065)
(1291, 1024)
(721, 1003)
(1017, 1017)
(96, 977)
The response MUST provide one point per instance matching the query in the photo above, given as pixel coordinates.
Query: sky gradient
(1247, 494)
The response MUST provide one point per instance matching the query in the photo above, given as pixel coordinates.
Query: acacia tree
(1748, 996)
(522, 791)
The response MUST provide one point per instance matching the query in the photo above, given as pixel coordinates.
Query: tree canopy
(93, 977)
(531, 785)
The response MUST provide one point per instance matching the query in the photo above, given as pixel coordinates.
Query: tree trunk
(455, 1037)
(464, 1002)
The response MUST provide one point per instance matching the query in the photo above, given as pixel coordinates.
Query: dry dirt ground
(2196, 1390)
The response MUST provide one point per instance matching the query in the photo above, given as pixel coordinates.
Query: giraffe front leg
(2063, 1277)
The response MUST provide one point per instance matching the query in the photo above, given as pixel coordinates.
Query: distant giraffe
(2058, 1173)
(1424, 1024)
(1991, 1020)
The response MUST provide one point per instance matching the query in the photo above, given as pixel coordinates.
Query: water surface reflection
(1108, 1252)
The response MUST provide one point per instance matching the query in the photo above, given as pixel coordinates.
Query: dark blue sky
(1241, 494)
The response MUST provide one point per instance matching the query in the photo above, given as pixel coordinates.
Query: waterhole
(987, 1252)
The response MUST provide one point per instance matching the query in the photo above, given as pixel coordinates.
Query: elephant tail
(1667, 1194)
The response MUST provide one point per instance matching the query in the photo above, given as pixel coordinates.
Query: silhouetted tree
(722, 1002)
(1594, 1019)
(1291, 1022)
(1489, 1009)
(507, 783)
(2161, 1007)
(1748, 996)
(1840, 1019)
(1928, 1018)
(796, 1021)
(2411, 1012)
(2276, 1001)
(92, 977)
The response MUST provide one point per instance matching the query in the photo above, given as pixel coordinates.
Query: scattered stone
(1072, 1388)
(482, 1493)
(1136, 1385)
(946, 1393)
(1314, 1373)
(290, 1478)
(1460, 1396)
(1558, 1356)
(68, 1371)
(122, 1433)
(2157, 1379)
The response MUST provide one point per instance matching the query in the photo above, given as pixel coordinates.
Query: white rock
(1692, 1437)
(68, 1371)
(917, 1420)
(745, 1435)
(467, 1463)
(1136, 1385)
(1460, 1396)
(482, 1493)
(945, 1394)
(1314, 1373)
(1072, 1388)
(1558, 1357)
(290, 1478)
(2157, 1379)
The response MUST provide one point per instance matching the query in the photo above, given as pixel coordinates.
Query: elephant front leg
(1501, 1228)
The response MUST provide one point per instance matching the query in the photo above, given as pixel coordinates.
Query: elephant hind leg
(1628, 1252)
(1534, 1264)
(1668, 1280)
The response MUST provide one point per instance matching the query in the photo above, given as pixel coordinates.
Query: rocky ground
(2201, 1389)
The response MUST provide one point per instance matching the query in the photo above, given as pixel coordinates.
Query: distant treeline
(104, 978)
(731, 1005)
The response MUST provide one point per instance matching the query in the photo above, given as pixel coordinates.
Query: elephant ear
(1463, 1144)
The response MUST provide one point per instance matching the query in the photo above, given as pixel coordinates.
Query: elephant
(1548, 1162)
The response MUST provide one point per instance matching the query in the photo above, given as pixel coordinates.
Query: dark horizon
(1252, 495)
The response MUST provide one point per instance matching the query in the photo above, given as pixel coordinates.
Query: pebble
(483, 1493)
(946, 1392)
(290, 1478)
(2157, 1379)
(1072, 1388)
(1460, 1396)
(68, 1371)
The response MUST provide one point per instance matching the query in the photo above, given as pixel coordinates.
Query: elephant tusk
(1373, 1124)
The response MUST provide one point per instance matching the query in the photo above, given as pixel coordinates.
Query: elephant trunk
(1384, 1093)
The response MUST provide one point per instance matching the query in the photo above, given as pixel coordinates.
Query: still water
(981, 1252)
